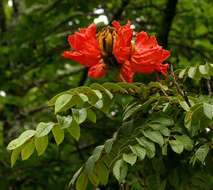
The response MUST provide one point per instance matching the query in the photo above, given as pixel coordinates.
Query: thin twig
(180, 91)
(208, 83)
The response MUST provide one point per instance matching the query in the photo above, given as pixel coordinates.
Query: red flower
(122, 46)
(145, 57)
(86, 51)
(148, 56)
(90, 49)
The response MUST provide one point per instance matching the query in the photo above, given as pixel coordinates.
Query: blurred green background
(32, 38)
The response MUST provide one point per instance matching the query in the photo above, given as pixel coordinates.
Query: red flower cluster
(142, 56)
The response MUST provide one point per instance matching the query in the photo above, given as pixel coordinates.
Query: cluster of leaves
(197, 72)
(33, 36)
(169, 125)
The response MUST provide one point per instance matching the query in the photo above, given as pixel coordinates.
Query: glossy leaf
(208, 110)
(82, 181)
(74, 130)
(120, 170)
(130, 158)
(139, 151)
(44, 128)
(177, 146)
(102, 172)
(41, 144)
(62, 102)
(14, 156)
(79, 115)
(27, 149)
(58, 134)
(91, 115)
(148, 145)
(154, 136)
(21, 139)
(202, 152)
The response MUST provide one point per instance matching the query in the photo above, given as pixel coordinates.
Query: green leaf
(130, 158)
(114, 87)
(14, 156)
(90, 164)
(44, 128)
(74, 130)
(131, 111)
(165, 131)
(79, 115)
(100, 87)
(75, 176)
(62, 102)
(164, 121)
(93, 96)
(82, 181)
(27, 149)
(76, 100)
(208, 110)
(203, 69)
(177, 146)
(52, 101)
(154, 136)
(93, 159)
(91, 115)
(183, 103)
(102, 172)
(129, 86)
(139, 151)
(148, 145)
(94, 179)
(97, 152)
(186, 141)
(26, 135)
(164, 149)
(120, 170)
(182, 73)
(64, 122)
(192, 72)
(202, 152)
(83, 97)
(41, 144)
(98, 93)
(99, 104)
(108, 143)
(58, 134)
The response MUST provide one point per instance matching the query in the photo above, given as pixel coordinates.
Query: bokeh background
(33, 36)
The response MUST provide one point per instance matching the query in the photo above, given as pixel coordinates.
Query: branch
(180, 91)
(118, 13)
(169, 14)
(2, 18)
(15, 8)
(208, 83)
(83, 77)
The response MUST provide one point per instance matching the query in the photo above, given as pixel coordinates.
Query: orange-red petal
(97, 71)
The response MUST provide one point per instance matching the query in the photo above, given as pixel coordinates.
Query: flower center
(106, 38)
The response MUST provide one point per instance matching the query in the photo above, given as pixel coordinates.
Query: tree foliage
(155, 133)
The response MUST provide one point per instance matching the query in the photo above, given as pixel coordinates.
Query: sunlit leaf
(41, 144)
(58, 134)
(130, 158)
(62, 102)
(27, 149)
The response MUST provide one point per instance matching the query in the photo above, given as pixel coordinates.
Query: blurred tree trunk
(117, 15)
(169, 14)
(2, 18)
(15, 8)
